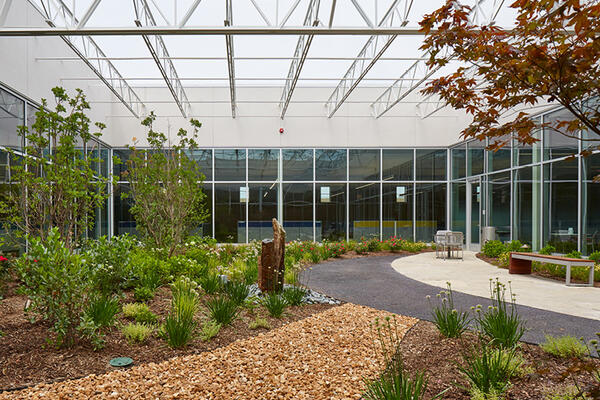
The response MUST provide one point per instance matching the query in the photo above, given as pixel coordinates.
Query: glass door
(473, 208)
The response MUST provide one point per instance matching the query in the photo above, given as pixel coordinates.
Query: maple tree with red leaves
(551, 55)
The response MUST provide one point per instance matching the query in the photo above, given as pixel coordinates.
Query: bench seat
(520, 263)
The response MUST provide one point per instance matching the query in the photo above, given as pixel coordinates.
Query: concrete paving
(472, 276)
(371, 281)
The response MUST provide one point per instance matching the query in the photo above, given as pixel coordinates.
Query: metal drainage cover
(121, 362)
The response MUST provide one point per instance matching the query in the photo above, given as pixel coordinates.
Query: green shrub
(595, 256)
(394, 244)
(274, 303)
(143, 293)
(362, 247)
(413, 247)
(294, 295)
(565, 347)
(259, 323)
(222, 309)
(110, 262)
(501, 322)
(573, 254)
(137, 332)
(493, 248)
(211, 282)
(514, 245)
(449, 321)
(504, 260)
(103, 310)
(488, 370)
(58, 285)
(547, 250)
(149, 269)
(209, 330)
(251, 273)
(373, 245)
(139, 312)
(237, 291)
(182, 265)
(394, 383)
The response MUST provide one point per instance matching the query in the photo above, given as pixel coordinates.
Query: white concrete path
(472, 276)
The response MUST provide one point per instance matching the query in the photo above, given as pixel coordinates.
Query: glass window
(398, 165)
(526, 212)
(524, 154)
(499, 159)
(459, 161)
(364, 165)
(4, 166)
(331, 211)
(205, 228)
(458, 210)
(364, 210)
(203, 158)
(12, 115)
(499, 204)
(298, 211)
(590, 198)
(124, 222)
(431, 164)
(230, 212)
(397, 210)
(262, 208)
(263, 165)
(431, 209)
(297, 165)
(230, 165)
(120, 169)
(557, 145)
(560, 210)
(475, 162)
(330, 164)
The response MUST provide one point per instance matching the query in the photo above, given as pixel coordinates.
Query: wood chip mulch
(324, 356)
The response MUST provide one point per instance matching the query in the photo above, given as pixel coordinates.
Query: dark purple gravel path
(371, 281)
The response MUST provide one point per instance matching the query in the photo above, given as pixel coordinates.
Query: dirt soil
(425, 349)
(322, 357)
(27, 359)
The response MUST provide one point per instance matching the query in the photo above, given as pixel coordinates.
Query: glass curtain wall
(331, 211)
(398, 210)
(590, 198)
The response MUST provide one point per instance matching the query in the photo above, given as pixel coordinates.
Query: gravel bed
(324, 356)
(311, 296)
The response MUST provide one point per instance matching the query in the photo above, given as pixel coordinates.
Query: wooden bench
(520, 263)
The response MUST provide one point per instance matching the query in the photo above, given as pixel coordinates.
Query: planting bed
(26, 359)
(324, 356)
(425, 349)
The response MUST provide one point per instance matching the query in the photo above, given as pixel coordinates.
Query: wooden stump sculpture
(271, 263)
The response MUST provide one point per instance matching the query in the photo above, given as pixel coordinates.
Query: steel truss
(367, 57)
(419, 72)
(57, 13)
(230, 57)
(302, 46)
(159, 52)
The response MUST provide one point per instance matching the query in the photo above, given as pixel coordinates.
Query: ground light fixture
(121, 362)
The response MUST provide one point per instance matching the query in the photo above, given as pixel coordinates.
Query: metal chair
(456, 243)
(441, 242)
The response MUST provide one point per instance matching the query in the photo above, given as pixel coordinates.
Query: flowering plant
(395, 243)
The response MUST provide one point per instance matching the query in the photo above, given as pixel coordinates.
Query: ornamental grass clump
(222, 309)
(565, 347)
(450, 322)
(501, 321)
(103, 310)
(211, 282)
(180, 324)
(294, 295)
(237, 291)
(488, 370)
(275, 303)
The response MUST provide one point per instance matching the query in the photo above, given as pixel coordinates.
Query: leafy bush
(362, 247)
(103, 310)
(57, 283)
(222, 309)
(143, 293)
(250, 275)
(274, 303)
(394, 243)
(294, 295)
(209, 330)
(574, 254)
(140, 312)
(488, 370)
(514, 245)
(237, 291)
(373, 245)
(259, 323)
(493, 248)
(501, 322)
(181, 265)
(180, 325)
(547, 250)
(110, 260)
(394, 383)
(4, 272)
(149, 269)
(504, 259)
(211, 282)
(413, 247)
(137, 332)
(565, 347)
(449, 321)
(595, 256)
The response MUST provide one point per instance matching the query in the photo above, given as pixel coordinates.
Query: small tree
(166, 188)
(56, 184)
(551, 55)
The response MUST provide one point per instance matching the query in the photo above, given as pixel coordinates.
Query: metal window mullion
(214, 206)
(314, 170)
(380, 194)
(448, 173)
(348, 195)
(248, 192)
(111, 203)
(580, 243)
